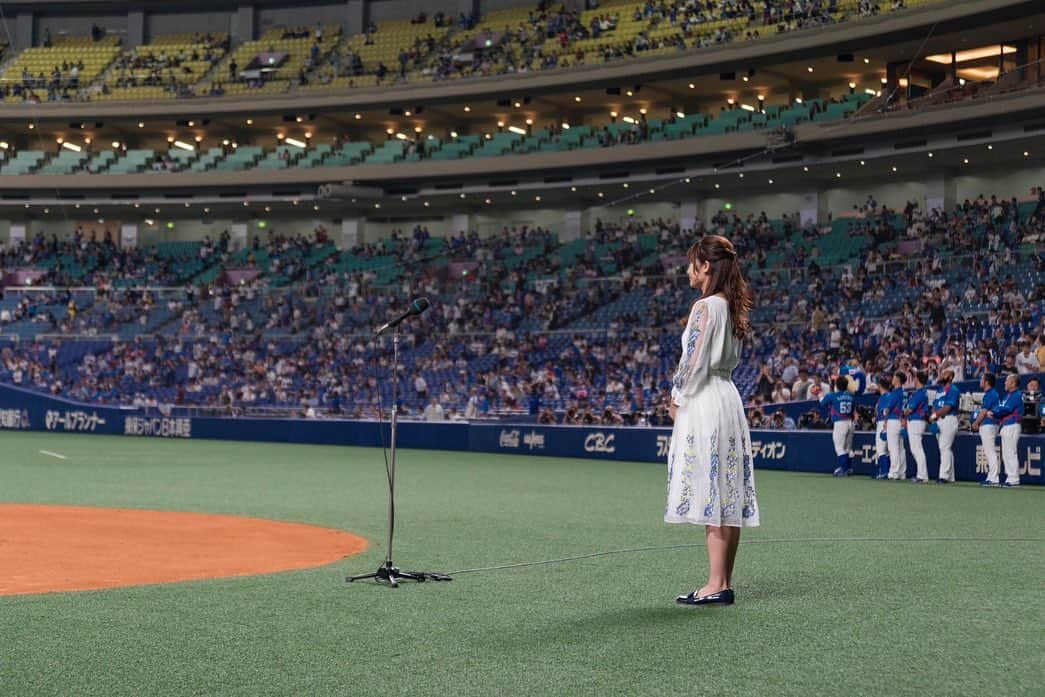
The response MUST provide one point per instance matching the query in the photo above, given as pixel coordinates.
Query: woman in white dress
(711, 480)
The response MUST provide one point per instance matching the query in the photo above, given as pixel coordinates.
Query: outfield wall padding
(798, 451)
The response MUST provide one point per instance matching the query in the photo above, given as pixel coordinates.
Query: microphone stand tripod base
(392, 575)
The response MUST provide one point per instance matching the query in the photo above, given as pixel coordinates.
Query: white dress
(711, 479)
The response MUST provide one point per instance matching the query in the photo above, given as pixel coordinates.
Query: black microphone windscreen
(420, 305)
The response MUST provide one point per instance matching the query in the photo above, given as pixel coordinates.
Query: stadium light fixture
(488, 201)
(862, 163)
(308, 135)
(798, 100)
(870, 91)
(809, 69)
(358, 117)
(463, 195)
(747, 107)
(141, 124)
(401, 136)
(183, 145)
(453, 134)
(741, 175)
(990, 147)
(408, 113)
(427, 204)
(295, 142)
(516, 130)
(577, 99)
(573, 188)
(537, 197)
(316, 207)
(565, 126)
(59, 140)
(206, 210)
(625, 185)
(653, 191)
(513, 193)
(930, 154)
(4, 145)
(32, 126)
(517, 104)
(692, 86)
(500, 124)
(680, 114)
(192, 124)
(246, 204)
(745, 78)
(805, 168)
(866, 61)
(1026, 153)
(770, 181)
(186, 205)
(404, 198)
(628, 119)
(467, 109)
(529, 122)
(838, 175)
(717, 186)
(281, 136)
(600, 194)
(170, 139)
(965, 160)
(686, 180)
(377, 205)
(250, 122)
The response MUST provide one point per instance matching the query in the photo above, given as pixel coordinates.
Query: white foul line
(58, 455)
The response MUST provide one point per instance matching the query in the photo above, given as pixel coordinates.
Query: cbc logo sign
(600, 443)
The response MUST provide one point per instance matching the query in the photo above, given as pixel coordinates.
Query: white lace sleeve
(692, 355)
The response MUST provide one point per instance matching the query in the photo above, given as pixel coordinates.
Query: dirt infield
(46, 549)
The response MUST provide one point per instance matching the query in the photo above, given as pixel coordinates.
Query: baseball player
(1009, 413)
(838, 406)
(893, 426)
(945, 416)
(988, 427)
(917, 411)
(881, 412)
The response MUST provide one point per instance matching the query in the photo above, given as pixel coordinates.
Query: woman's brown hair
(725, 277)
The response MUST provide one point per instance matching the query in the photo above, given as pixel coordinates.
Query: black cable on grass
(689, 545)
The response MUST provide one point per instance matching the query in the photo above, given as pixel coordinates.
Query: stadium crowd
(583, 332)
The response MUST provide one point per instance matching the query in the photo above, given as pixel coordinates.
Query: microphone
(416, 307)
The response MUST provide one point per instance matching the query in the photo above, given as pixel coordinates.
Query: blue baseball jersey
(838, 405)
(990, 403)
(948, 398)
(881, 408)
(1010, 409)
(918, 405)
(896, 400)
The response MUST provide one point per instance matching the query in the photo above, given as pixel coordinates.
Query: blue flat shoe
(989, 484)
(725, 597)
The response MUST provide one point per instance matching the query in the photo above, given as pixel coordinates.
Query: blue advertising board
(798, 451)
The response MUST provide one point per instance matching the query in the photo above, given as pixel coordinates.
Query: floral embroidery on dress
(691, 343)
(709, 505)
(729, 496)
(749, 485)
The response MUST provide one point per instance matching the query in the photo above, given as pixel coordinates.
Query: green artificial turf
(955, 617)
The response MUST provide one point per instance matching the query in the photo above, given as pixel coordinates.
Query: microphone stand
(388, 572)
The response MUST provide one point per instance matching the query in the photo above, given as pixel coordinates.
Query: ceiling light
(745, 78)
(500, 124)
(186, 205)
(573, 188)
(59, 140)
(747, 107)
(680, 114)
(453, 134)
(537, 198)
(297, 119)
(206, 210)
(770, 181)
(513, 193)
(408, 113)
(990, 147)
(170, 139)
(281, 136)
(687, 180)
(565, 126)
(198, 139)
(625, 185)
(628, 119)
(518, 104)
(717, 186)
(862, 163)
(462, 195)
(225, 141)
(358, 116)
(866, 61)
(761, 97)
(488, 200)
(870, 91)
(72, 146)
(805, 169)
(798, 100)
(600, 194)
(183, 146)
(653, 191)
(401, 136)
(613, 114)
(517, 130)
(377, 205)
(295, 142)
(4, 145)
(245, 204)
(730, 101)
(418, 129)
(852, 85)
(250, 122)
(576, 99)
(467, 109)
(404, 198)
(885, 81)
(971, 54)
(930, 154)
(31, 126)
(741, 175)
(642, 111)
(316, 207)
(427, 204)
(1026, 154)
(692, 86)
(810, 69)
(965, 160)
(87, 141)
(838, 175)
(894, 168)
(529, 122)
(141, 124)
(308, 134)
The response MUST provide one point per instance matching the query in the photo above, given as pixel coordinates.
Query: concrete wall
(295, 16)
(896, 195)
(157, 23)
(79, 26)
(1016, 183)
